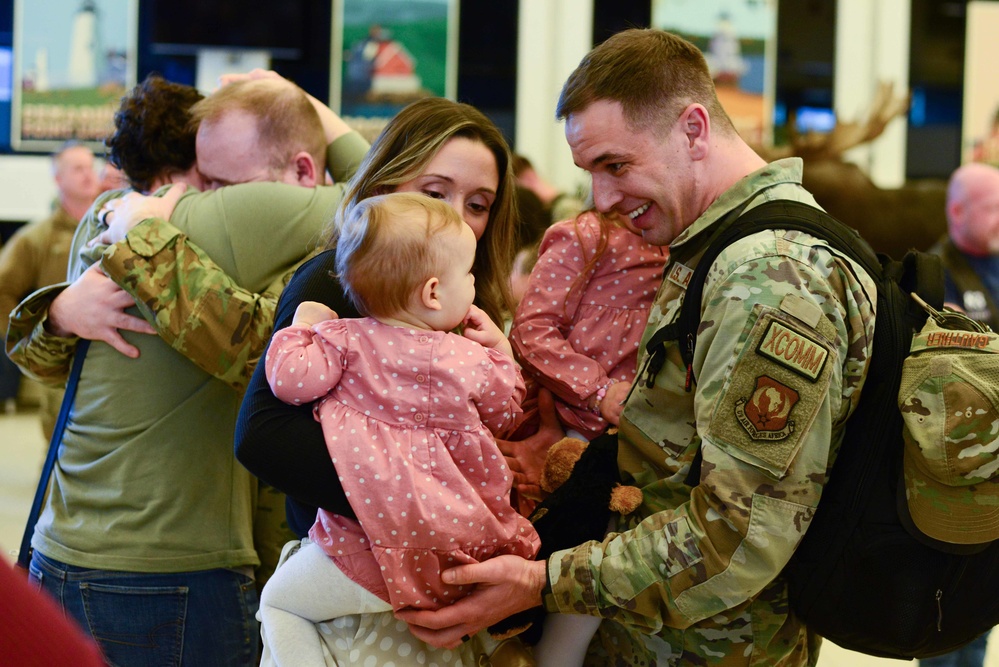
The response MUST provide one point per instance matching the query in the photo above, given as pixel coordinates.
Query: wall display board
(388, 53)
(73, 61)
(738, 38)
(980, 122)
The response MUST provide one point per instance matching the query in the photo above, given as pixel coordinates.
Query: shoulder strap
(24, 555)
(917, 272)
(778, 214)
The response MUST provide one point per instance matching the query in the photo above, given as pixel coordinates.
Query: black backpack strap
(780, 214)
(24, 555)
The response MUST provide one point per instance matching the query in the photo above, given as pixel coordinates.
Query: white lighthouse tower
(83, 47)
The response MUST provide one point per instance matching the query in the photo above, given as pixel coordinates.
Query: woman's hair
(153, 136)
(389, 245)
(401, 153)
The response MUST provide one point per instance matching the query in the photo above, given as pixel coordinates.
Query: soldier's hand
(505, 585)
(93, 307)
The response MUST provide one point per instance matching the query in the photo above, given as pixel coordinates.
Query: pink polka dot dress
(408, 416)
(574, 344)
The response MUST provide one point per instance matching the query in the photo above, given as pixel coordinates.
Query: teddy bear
(584, 489)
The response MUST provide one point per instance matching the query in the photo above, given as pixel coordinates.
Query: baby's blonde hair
(389, 245)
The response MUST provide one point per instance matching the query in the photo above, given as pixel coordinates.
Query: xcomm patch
(776, 387)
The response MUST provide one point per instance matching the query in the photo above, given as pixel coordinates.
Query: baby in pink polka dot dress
(579, 325)
(408, 410)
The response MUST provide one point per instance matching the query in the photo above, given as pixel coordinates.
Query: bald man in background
(971, 249)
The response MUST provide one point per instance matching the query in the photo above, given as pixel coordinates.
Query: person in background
(534, 221)
(38, 253)
(560, 205)
(970, 250)
(970, 254)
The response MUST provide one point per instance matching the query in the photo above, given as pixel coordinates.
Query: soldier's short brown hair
(653, 74)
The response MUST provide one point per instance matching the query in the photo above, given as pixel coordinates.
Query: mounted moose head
(892, 220)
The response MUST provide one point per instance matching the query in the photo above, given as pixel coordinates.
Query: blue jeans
(138, 619)
(970, 655)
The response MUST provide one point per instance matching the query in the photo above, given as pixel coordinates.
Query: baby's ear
(428, 294)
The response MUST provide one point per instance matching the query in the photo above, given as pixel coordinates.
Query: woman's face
(464, 174)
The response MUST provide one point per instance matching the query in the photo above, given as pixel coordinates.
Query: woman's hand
(122, 214)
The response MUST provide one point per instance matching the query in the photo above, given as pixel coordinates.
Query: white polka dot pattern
(573, 340)
(407, 416)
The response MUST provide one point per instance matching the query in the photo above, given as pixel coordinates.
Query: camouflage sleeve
(781, 355)
(39, 354)
(196, 307)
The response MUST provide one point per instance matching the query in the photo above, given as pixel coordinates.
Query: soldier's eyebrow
(602, 159)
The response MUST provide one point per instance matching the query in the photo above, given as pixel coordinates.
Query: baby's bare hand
(311, 313)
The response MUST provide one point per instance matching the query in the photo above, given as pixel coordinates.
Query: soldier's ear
(696, 126)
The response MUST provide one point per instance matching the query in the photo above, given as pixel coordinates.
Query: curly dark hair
(153, 134)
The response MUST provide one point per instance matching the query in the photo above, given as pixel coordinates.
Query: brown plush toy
(561, 460)
(584, 489)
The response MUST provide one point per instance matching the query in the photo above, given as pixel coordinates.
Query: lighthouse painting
(73, 60)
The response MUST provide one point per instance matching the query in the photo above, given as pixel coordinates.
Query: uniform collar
(779, 172)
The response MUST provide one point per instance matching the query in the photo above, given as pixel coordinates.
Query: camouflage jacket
(693, 577)
(198, 309)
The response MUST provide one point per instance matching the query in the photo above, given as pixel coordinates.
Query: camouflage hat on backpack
(949, 399)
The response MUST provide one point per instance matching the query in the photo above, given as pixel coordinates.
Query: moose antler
(813, 146)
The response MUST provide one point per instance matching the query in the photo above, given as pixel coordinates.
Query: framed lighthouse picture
(73, 61)
(388, 53)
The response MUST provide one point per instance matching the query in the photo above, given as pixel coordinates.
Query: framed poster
(738, 39)
(73, 61)
(388, 53)
(980, 124)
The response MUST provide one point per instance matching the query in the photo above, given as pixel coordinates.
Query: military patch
(774, 390)
(766, 413)
(679, 275)
(794, 350)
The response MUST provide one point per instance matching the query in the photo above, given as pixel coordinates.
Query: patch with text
(793, 350)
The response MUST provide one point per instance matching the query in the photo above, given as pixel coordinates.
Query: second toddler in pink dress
(409, 411)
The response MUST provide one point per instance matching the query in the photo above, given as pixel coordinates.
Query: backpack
(862, 576)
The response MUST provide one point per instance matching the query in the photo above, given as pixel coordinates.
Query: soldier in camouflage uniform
(693, 577)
